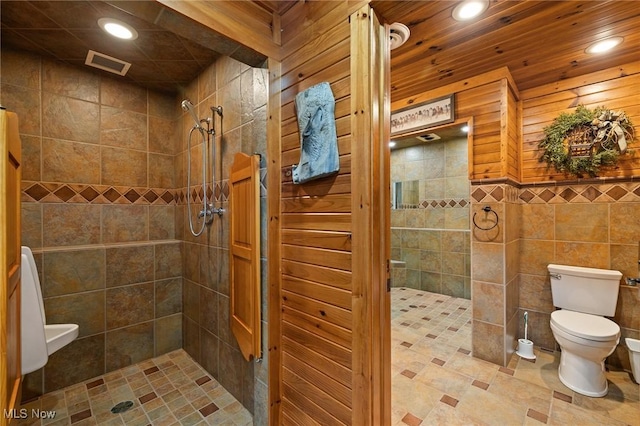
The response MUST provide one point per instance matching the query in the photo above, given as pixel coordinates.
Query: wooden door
(244, 248)
(10, 373)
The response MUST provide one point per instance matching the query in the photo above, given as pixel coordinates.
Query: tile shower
(430, 233)
(104, 211)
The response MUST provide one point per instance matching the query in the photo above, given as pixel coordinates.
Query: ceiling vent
(107, 63)
(429, 137)
(399, 34)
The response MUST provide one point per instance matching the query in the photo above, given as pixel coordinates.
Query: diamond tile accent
(65, 193)
(225, 189)
(547, 195)
(37, 192)
(111, 194)
(478, 194)
(89, 193)
(527, 196)
(568, 194)
(617, 192)
(591, 193)
(167, 197)
(150, 196)
(132, 195)
(498, 193)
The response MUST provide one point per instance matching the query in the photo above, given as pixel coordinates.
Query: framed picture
(427, 114)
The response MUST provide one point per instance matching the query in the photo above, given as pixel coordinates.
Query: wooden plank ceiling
(539, 41)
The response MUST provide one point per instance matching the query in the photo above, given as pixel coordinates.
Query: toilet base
(582, 375)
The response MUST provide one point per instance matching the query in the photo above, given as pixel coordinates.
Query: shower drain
(121, 407)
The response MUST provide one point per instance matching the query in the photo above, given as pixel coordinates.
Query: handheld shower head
(188, 107)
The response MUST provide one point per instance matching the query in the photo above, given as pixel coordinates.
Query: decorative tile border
(437, 204)
(557, 193)
(52, 192)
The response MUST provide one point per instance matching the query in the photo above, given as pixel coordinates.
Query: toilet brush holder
(525, 349)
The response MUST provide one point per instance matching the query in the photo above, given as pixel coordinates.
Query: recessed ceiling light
(465, 129)
(118, 28)
(605, 45)
(392, 144)
(468, 10)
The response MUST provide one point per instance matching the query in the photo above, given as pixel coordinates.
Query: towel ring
(486, 209)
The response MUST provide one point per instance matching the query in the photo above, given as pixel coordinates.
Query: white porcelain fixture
(39, 339)
(585, 336)
(633, 345)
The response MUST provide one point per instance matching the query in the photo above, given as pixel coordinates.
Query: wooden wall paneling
(307, 21)
(327, 294)
(423, 94)
(602, 76)
(541, 106)
(334, 72)
(292, 156)
(274, 260)
(336, 184)
(319, 239)
(311, 400)
(327, 366)
(339, 335)
(504, 124)
(332, 314)
(318, 344)
(319, 274)
(252, 27)
(341, 89)
(315, 226)
(370, 212)
(340, 203)
(341, 392)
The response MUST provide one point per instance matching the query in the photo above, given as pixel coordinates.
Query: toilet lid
(586, 326)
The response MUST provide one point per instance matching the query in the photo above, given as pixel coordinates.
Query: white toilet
(585, 336)
(39, 340)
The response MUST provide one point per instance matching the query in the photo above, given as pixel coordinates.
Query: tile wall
(242, 92)
(432, 238)
(494, 278)
(592, 224)
(99, 213)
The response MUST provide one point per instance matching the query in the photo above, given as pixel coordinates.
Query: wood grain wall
(616, 88)
(491, 101)
(315, 228)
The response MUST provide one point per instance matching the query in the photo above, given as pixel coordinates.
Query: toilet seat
(585, 326)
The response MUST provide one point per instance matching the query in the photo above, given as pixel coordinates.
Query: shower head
(188, 107)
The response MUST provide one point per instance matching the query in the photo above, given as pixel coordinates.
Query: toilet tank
(587, 290)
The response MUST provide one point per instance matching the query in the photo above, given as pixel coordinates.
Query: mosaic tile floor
(171, 389)
(436, 381)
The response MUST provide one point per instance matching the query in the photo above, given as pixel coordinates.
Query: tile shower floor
(171, 389)
(436, 381)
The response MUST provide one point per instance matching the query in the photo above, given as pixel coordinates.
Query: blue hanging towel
(319, 157)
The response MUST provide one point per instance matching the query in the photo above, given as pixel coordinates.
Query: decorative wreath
(583, 141)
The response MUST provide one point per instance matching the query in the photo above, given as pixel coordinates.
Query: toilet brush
(525, 346)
